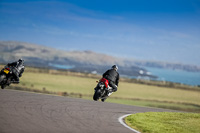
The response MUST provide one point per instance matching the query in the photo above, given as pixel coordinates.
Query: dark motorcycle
(102, 90)
(6, 76)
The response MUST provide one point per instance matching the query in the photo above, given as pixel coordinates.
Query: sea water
(61, 66)
(178, 76)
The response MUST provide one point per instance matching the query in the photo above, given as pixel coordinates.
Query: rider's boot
(109, 92)
(15, 81)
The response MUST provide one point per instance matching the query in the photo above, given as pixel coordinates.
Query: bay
(178, 76)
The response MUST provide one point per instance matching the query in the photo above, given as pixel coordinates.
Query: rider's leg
(15, 78)
(112, 84)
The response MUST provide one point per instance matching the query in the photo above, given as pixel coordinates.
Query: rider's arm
(105, 73)
(12, 64)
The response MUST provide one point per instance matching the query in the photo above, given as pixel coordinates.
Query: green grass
(128, 93)
(58, 83)
(165, 122)
(147, 103)
(130, 90)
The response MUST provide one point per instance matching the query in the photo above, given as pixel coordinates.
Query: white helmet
(115, 67)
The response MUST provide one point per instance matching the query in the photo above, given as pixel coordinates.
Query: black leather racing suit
(18, 69)
(113, 77)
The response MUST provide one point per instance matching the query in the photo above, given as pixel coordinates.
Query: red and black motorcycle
(102, 90)
(6, 76)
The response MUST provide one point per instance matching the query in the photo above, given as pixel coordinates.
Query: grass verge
(165, 122)
(79, 85)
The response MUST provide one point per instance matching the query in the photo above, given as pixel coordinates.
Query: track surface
(24, 112)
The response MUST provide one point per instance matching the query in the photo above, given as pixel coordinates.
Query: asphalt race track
(25, 112)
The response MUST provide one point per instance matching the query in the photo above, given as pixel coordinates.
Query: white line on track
(120, 119)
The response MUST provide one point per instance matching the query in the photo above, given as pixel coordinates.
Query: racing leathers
(113, 77)
(18, 69)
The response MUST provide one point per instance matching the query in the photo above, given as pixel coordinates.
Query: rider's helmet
(21, 60)
(115, 67)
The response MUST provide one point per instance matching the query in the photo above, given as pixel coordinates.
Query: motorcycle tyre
(1, 79)
(96, 95)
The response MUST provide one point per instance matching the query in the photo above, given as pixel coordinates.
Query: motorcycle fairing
(105, 81)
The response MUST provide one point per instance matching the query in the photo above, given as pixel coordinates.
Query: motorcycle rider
(113, 77)
(18, 69)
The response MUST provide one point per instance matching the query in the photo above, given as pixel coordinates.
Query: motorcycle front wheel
(2, 77)
(96, 95)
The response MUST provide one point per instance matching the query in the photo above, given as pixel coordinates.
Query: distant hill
(82, 61)
(12, 50)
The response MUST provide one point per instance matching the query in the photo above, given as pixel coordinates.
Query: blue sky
(158, 30)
